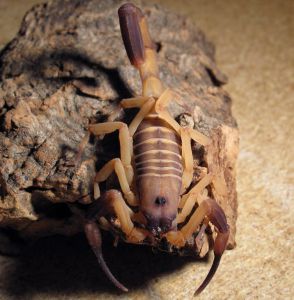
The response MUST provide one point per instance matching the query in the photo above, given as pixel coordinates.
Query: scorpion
(155, 168)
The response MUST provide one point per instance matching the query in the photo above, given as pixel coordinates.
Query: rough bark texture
(65, 46)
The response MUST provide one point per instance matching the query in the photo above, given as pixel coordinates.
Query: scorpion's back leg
(187, 134)
(126, 146)
(125, 141)
(187, 159)
(160, 108)
(145, 104)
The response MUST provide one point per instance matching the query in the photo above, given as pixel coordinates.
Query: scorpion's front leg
(117, 166)
(213, 212)
(189, 200)
(111, 202)
(126, 150)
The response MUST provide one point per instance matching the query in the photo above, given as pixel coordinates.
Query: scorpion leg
(117, 166)
(186, 135)
(146, 107)
(114, 202)
(188, 200)
(187, 159)
(126, 147)
(160, 108)
(199, 137)
(133, 102)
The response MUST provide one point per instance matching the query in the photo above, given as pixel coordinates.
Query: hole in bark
(158, 46)
(213, 78)
(2, 190)
(3, 111)
(46, 208)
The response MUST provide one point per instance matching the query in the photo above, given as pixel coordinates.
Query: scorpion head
(157, 225)
(159, 204)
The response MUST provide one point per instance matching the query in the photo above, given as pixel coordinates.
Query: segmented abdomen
(157, 150)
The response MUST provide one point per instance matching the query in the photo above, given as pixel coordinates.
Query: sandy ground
(255, 48)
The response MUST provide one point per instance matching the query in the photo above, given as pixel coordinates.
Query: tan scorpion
(155, 168)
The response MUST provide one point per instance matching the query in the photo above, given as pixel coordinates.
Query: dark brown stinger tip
(129, 16)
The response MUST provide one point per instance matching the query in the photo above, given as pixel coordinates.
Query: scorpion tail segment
(94, 238)
(140, 48)
(217, 217)
(129, 16)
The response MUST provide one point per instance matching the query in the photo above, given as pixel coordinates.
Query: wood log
(66, 68)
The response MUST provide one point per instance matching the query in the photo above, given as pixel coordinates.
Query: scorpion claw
(94, 238)
(218, 219)
(210, 274)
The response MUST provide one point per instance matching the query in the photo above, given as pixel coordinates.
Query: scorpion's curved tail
(140, 48)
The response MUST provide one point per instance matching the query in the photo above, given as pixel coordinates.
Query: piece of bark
(67, 67)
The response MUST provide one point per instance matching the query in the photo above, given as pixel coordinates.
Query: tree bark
(66, 68)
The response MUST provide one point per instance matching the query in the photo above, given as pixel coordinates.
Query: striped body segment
(158, 168)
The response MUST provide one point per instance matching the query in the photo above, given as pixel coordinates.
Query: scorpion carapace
(155, 168)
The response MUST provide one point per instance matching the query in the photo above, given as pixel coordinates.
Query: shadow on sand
(67, 266)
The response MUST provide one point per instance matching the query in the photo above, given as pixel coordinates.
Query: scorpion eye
(160, 201)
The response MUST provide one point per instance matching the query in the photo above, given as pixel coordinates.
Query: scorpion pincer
(155, 168)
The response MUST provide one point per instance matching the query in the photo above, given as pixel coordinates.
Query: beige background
(255, 48)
